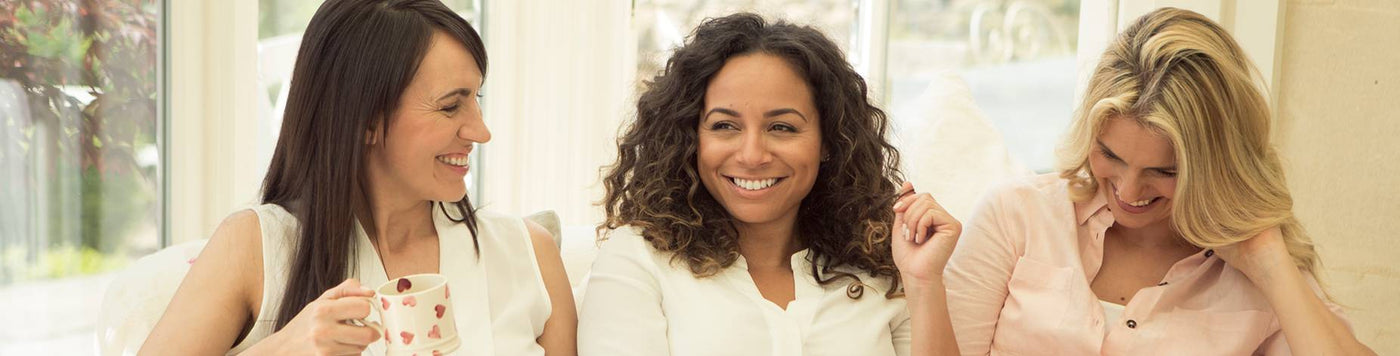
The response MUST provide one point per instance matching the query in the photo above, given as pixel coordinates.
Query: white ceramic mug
(416, 315)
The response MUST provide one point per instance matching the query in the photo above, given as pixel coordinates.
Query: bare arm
(214, 303)
(922, 239)
(1309, 327)
(560, 331)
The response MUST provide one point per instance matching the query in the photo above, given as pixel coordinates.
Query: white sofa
(948, 149)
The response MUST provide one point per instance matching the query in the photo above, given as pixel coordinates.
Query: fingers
(916, 211)
(904, 201)
(922, 218)
(353, 335)
(343, 339)
(349, 288)
(342, 309)
(926, 226)
(944, 225)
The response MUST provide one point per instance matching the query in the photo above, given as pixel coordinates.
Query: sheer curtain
(558, 86)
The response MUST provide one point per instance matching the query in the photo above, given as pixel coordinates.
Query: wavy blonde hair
(1182, 75)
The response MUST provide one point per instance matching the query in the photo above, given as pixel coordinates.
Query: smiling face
(424, 155)
(760, 139)
(1136, 171)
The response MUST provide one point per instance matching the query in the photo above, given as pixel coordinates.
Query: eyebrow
(458, 91)
(783, 111)
(770, 113)
(1120, 158)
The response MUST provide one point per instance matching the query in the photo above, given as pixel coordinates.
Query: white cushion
(947, 147)
(137, 297)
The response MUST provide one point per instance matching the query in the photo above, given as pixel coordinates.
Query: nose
(754, 151)
(474, 130)
(1130, 187)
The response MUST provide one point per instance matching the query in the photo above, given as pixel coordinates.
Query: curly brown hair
(844, 221)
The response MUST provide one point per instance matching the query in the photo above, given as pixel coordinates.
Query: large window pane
(79, 162)
(1016, 56)
(662, 25)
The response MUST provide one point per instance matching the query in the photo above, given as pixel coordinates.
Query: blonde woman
(1167, 231)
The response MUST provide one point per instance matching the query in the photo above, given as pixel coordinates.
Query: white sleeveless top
(500, 299)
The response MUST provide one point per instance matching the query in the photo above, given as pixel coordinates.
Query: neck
(390, 220)
(769, 245)
(1157, 235)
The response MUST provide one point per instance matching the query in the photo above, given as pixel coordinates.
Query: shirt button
(1132, 324)
(1210, 253)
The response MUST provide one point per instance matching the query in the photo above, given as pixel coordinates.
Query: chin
(753, 214)
(450, 195)
(1135, 221)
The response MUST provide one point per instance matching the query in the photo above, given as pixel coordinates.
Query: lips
(1134, 207)
(457, 162)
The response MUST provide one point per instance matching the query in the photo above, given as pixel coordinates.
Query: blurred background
(127, 126)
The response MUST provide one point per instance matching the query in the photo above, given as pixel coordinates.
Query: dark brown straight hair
(356, 59)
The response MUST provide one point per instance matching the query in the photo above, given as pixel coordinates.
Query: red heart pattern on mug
(440, 310)
(407, 337)
(410, 301)
(434, 334)
(385, 302)
(446, 292)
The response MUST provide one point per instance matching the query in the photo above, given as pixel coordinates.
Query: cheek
(1167, 188)
(708, 153)
(1100, 167)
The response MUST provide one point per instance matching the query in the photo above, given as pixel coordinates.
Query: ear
(372, 134)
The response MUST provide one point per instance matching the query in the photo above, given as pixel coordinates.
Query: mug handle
(374, 307)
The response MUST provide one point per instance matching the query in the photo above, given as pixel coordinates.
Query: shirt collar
(1088, 209)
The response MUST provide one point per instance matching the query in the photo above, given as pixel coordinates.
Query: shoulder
(628, 245)
(541, 239)
(1048, 186)
(240, 234)
(235, 251)
(627, 240)
(1022, 195)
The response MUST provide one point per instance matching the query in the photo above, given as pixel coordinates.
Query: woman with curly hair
(1167, 231)
(754, 209)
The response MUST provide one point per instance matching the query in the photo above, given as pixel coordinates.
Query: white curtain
(558, 86)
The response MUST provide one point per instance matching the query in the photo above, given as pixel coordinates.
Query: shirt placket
(1138, 327)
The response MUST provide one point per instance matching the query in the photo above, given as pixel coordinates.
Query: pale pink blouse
(1018, 284)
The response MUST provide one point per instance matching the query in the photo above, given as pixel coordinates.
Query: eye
(1169, 173)
(723, 125)
(451, 109)
(1109, 155)
(784, 127)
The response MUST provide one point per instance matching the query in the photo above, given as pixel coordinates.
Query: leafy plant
(87, 70)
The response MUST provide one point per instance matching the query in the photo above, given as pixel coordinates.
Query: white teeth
(1140, 203)
(755, 184)
(456, 161)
